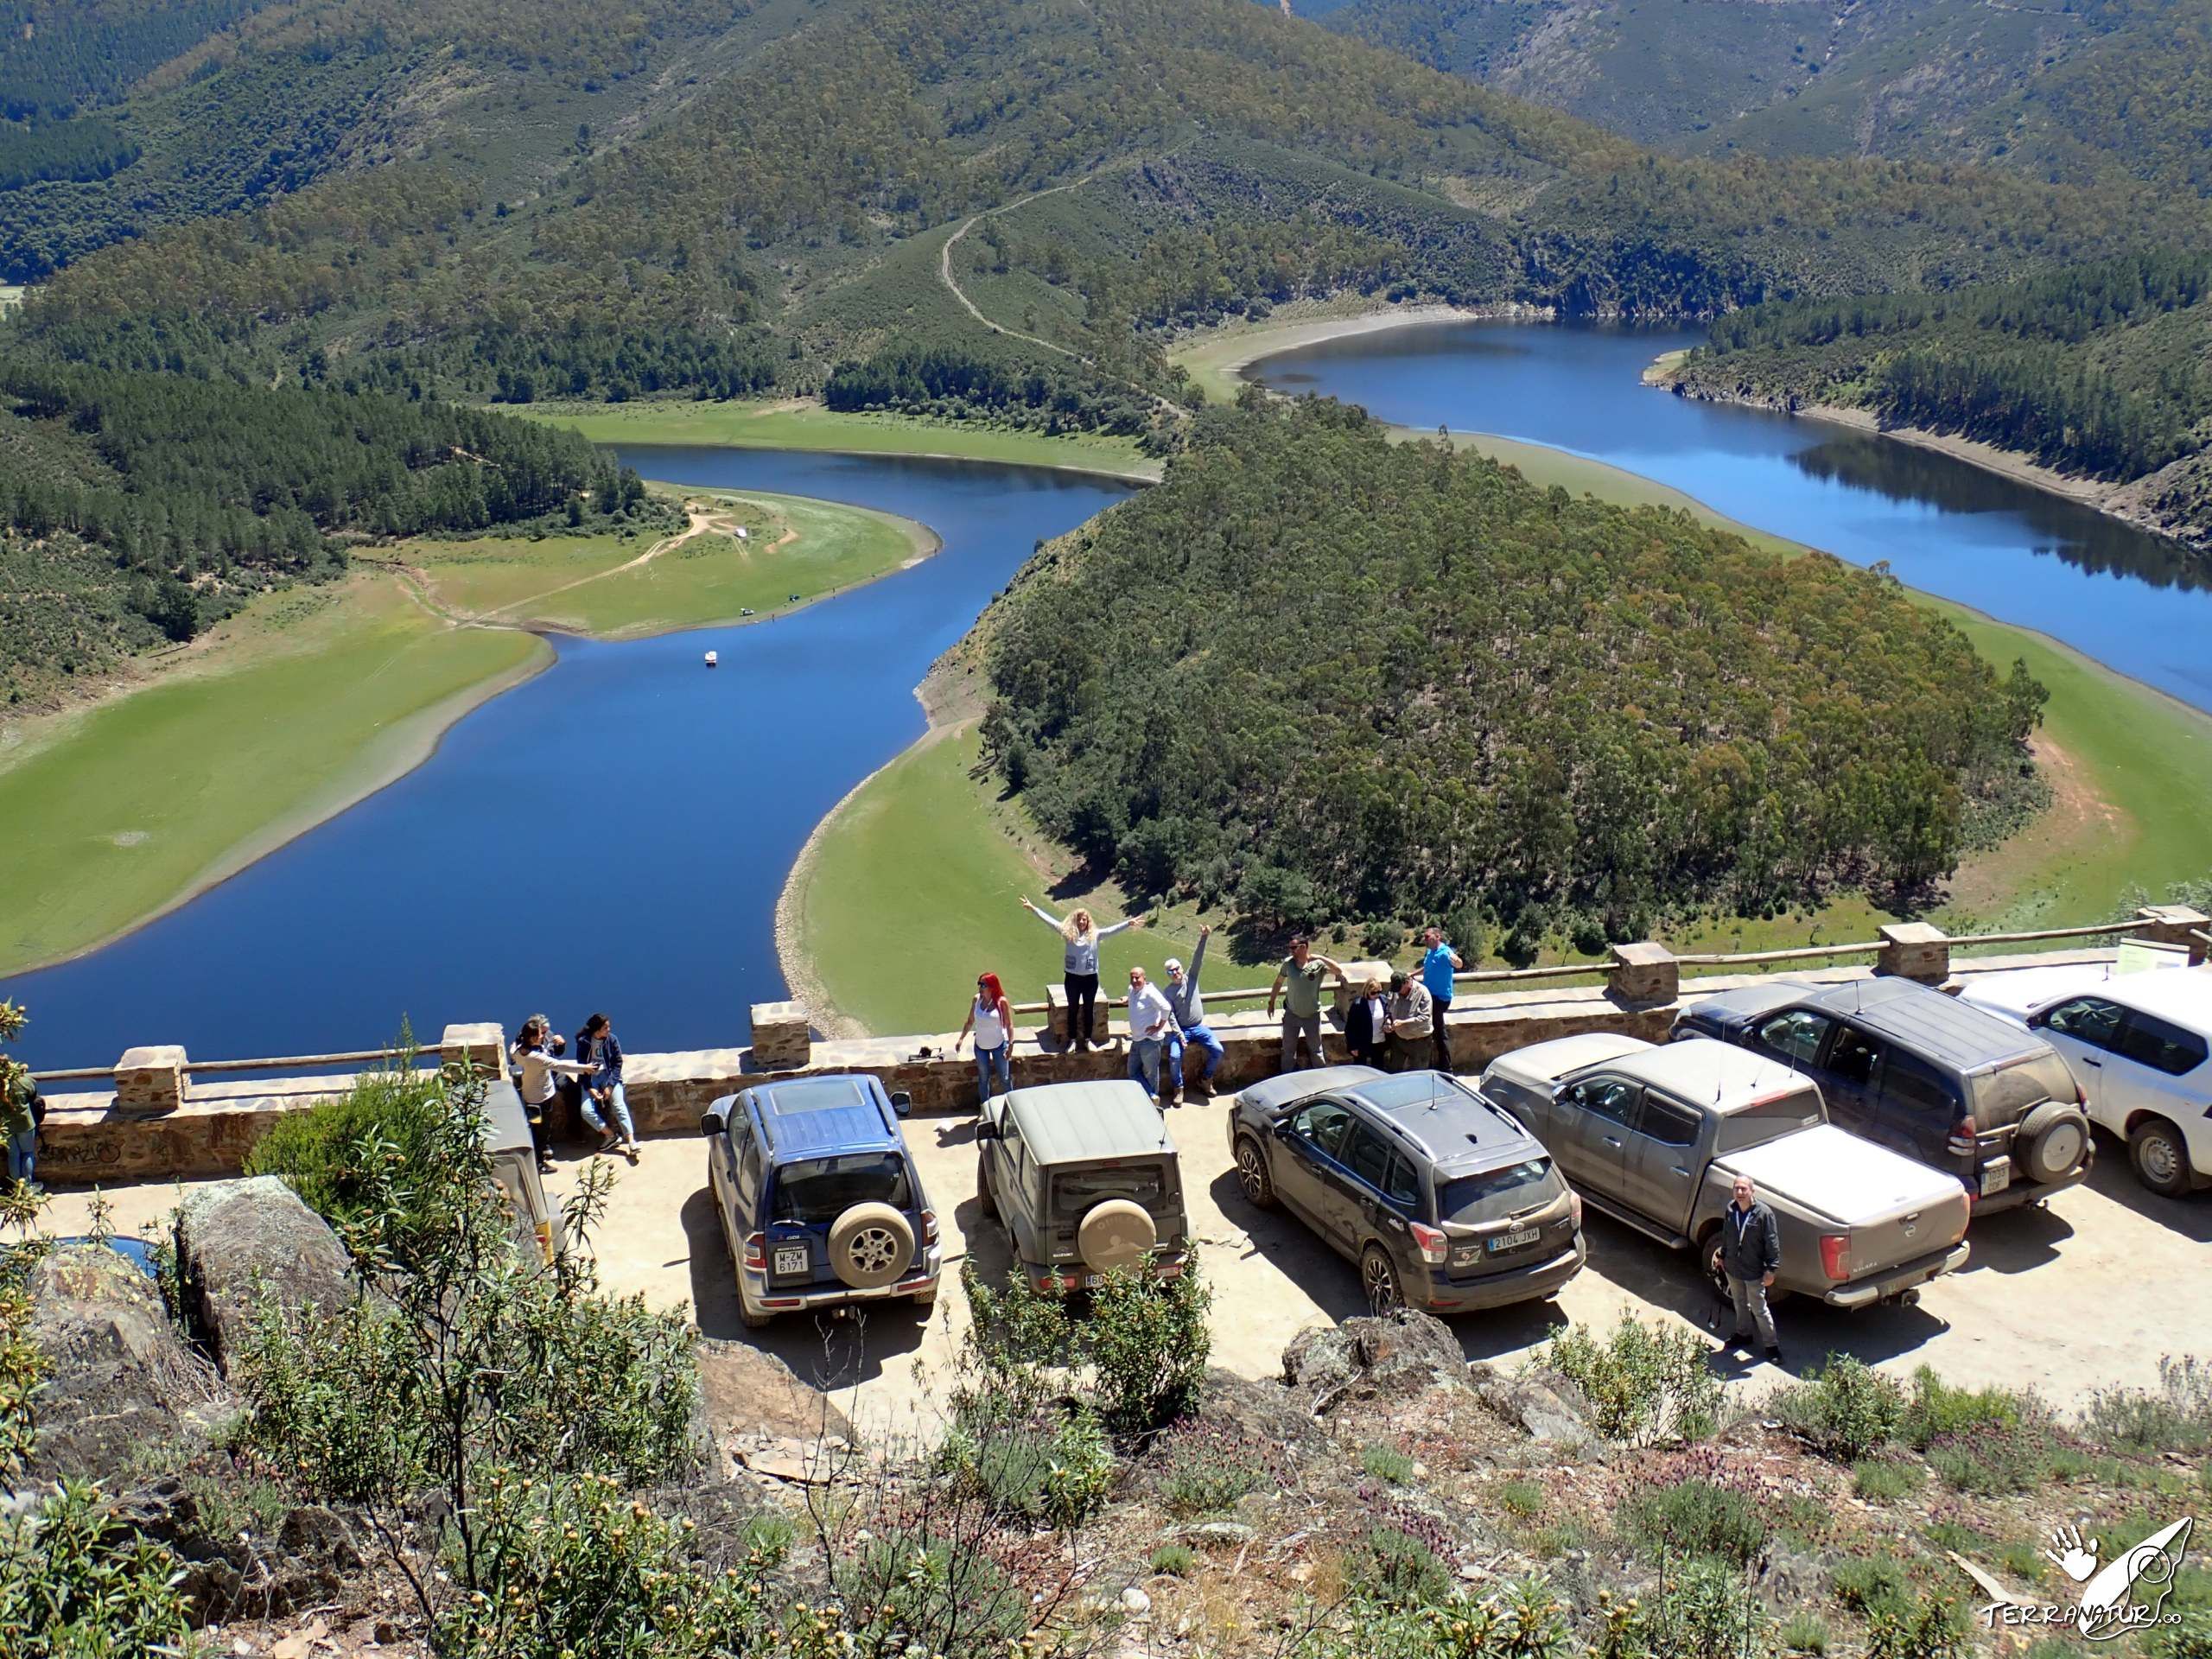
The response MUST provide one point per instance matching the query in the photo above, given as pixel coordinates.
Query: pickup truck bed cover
(1866, 1182)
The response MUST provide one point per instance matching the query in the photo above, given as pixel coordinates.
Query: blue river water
(611, 835)
(2021, 555)
(614, 833)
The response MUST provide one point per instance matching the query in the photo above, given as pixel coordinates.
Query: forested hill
(2088, 91)
(140, 506)
(2102, 371)
(774, 199)
(1322, 676)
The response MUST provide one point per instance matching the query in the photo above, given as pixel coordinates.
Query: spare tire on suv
(870, 1245)
(1115, 1233)
(2053, 1139)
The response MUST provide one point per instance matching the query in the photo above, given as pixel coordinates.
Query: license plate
(1996, 1178)
(1515, 1239)
(791, 1260)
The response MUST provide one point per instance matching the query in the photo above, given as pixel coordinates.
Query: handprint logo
(2075, 1555)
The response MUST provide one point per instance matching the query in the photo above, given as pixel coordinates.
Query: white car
(2139, 1045)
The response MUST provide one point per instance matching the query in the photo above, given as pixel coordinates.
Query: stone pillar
(1915, 950)
(1056, 1001)
(1644, 972)
(1357, 976)
(781, 1037)
(2173, 925)
(150, 1080)
(482, 1045)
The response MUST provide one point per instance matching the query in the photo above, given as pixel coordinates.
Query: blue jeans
(620, 1105)
(1195, 1037)
(1144, 1062)
(996, 1060)
(22, 1154)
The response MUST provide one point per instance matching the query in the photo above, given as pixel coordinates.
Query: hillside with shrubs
(435, 1442)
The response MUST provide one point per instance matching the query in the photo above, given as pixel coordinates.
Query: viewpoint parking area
(2085, 1293)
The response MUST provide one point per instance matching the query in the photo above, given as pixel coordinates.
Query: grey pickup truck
(1655, 1136)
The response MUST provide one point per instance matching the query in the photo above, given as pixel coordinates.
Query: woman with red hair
(992, 1021)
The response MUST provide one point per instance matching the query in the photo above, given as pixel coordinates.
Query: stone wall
(100, 1137)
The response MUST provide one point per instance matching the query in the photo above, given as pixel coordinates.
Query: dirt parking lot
(2086, 1292)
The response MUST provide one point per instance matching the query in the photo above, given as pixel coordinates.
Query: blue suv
(820, 1202)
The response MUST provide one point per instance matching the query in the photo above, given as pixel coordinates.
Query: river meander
(2020, 554)
(614, 833)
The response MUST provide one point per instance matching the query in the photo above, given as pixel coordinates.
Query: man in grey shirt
(1297, 984)
(1192, 1031)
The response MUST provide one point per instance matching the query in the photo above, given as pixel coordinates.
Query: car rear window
(1075, 1191)
(1768, 1120)
(822, 1189)
(2161, 1045)
(1472, 1199)
(2011, 1092)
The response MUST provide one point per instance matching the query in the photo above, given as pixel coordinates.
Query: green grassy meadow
(791, 425)
(305, 701)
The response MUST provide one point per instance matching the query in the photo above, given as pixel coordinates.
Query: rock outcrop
(238, 1242)
(1393, 1355)
(304, 1559)
(1545, 1405)
(120, 1382)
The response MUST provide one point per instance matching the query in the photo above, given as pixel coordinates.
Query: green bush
(1521, 1498)
(569, 1565)
(1805, 1632)
(1386, 1463)
(2177, 1418)
(78, 1582)
(1927, 1627)
(1844, 1410)
(1645, 1383)
(2189, 1639)
(1883, 1480)
(1204, 1468)
(925, 1588)
(1936, 1409)
(1174, 1560)
(1992, 1461)
(1049, 1464)
(1015, 1330)
(336, 1154)
(1390, 1565)
(1701, 1611)
(1695, 1517)
(1149, 1342)
(1866, 1584)
(1523, 1621)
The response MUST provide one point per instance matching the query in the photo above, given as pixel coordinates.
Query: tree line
(1325, 676)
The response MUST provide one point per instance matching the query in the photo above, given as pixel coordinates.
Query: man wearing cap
(1298, 986)
(1189, 1010)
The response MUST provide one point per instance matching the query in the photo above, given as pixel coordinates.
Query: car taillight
(756, 1253)
(1433, 1246)
(1964, 1142)
(928, 1226)
(1835, 1256)
(545, 1239)
(1574, 1208)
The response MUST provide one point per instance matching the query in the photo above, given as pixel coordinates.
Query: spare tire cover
(2056, 1135)
(1115, 1233)
(870, 1246)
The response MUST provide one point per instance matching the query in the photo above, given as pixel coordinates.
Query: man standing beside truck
(1750, 1251)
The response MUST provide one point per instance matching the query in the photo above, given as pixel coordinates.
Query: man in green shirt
(1298, 983)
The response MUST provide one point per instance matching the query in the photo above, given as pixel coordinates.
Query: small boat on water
(712, 659)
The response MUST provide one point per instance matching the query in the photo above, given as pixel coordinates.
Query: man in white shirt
(1151, 1018)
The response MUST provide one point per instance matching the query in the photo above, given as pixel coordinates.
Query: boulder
(1260, 1409)
(1548, 1407)
(747, 1391)
(231, 1571)
(238, 1242)
(1396, 1355)
(120, 1381)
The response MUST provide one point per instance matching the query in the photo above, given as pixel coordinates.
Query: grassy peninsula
(188, 766)
(2130, 772)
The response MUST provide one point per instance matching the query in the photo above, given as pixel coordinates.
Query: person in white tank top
(991, 1018)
